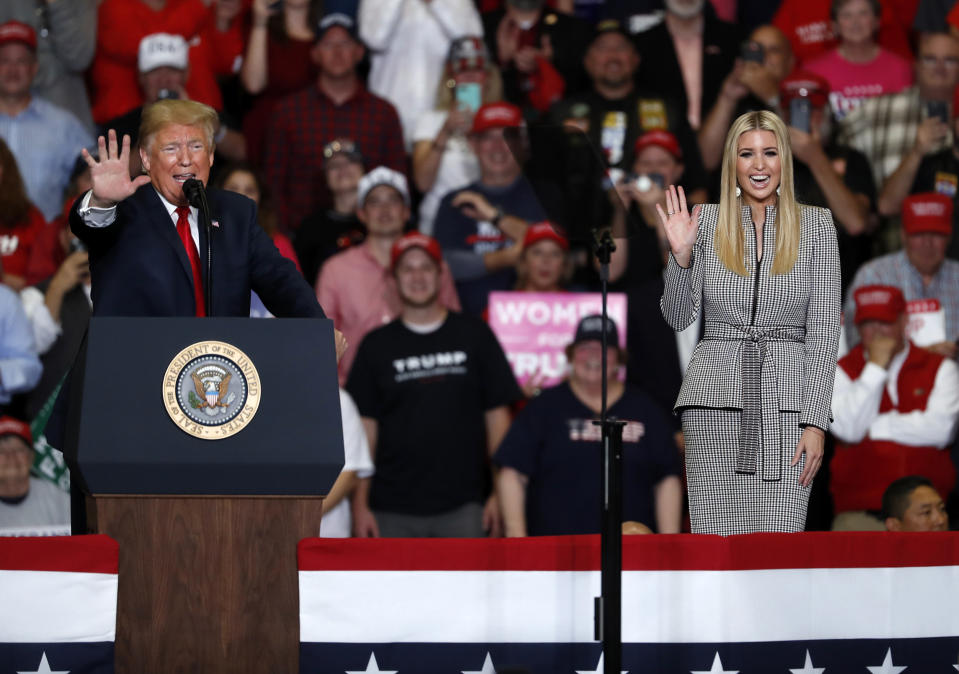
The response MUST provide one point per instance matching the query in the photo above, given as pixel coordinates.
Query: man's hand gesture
(681, 226)
(111, 175)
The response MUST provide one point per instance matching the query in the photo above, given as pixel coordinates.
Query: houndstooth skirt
(722, 501)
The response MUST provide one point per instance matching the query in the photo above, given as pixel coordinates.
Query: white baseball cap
(162, 49)
(382, 175)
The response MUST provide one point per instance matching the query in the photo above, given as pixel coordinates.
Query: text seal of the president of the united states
(211, 390)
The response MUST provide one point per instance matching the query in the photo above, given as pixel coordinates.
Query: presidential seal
(211, 390)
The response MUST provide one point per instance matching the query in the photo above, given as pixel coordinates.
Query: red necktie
(183, 229)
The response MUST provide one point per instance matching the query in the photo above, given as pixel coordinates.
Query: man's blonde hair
(728, 241)
(172, 111)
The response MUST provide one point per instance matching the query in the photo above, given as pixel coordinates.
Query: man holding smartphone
(885, 128)
(826, 173)
(764, 61)
(926, 170)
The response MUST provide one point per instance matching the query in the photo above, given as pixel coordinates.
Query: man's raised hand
(681, 226)
(111, 174)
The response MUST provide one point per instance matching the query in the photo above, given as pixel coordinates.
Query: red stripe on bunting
(79, 554)
(640, 553)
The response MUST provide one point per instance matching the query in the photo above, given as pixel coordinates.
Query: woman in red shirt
(242, 178)
(277, 61)
(20, 221)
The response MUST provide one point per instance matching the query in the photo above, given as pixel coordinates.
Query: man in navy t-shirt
(481, 226)
(550, 475)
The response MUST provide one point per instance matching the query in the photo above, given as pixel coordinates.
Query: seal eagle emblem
(211, 390)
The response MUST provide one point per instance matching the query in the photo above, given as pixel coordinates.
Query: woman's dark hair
(837, 5)
(15, 205)
(277, 27)
(265, 215)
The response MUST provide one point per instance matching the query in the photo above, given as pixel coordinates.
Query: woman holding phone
(277, 61)
(442, 159)
(755, 400)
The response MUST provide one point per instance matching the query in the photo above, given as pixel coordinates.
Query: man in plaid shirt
(884, 128)
(337, 106)
(921, 269)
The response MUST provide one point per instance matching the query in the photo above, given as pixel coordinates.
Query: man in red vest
(895, 407)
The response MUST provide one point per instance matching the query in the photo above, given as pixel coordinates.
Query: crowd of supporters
(414, 156)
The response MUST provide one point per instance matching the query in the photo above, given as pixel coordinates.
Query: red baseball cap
(927, 212)
(878, 303)
(17, 31)
(415, 240)
(540, 231)
(804, 84)
(659, 138)
(11, 426)
(497, 116)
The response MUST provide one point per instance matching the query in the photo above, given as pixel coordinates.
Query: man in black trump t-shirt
(433, 389)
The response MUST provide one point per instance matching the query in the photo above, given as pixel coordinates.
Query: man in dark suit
(144, 240)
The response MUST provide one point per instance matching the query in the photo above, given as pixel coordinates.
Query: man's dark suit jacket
(653, 363)
(139, 266)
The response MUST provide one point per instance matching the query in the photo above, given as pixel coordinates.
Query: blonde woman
(442, 157)
(755, 401)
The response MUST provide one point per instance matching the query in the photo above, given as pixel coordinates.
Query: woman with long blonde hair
(755, 400)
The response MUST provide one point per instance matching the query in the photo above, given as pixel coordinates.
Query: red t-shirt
(121, 24)
(17, 242)
(809, 28)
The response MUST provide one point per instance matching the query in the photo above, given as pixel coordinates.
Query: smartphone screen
(799, 109)
(938, 109)
(469, 95)
(752, 51)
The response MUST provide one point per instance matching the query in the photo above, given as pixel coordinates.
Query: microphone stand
(608, 607)
(196, 195)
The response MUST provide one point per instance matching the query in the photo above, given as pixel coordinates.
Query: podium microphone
(195, 195)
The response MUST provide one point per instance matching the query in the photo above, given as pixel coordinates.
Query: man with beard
(433, 389)
(609, 119)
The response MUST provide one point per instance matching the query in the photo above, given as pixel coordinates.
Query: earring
(738, 192)
(777, 189)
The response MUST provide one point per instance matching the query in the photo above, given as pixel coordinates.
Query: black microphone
(196, 196)
(194, 192)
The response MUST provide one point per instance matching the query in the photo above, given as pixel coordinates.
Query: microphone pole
(608, 607)
(196, 196)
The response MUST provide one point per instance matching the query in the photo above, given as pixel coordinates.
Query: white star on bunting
(44, 667)
(487, 667)
(717, 668)
(808, 668)
(372, 667)
(886, 667)
(599, 668)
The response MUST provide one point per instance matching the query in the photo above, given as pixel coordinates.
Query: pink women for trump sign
(534, 328)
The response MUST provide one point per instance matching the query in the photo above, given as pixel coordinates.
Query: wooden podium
(207, 528)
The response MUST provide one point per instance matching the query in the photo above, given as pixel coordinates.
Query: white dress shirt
(94, 216)
(46, 330)
(855, 406)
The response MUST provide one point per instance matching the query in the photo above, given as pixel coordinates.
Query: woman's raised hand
(681, 226)
(111, 174)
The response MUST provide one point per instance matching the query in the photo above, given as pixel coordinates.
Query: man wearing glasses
(888, 128)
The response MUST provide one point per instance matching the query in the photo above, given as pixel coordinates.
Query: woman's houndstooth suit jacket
(770, 342)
